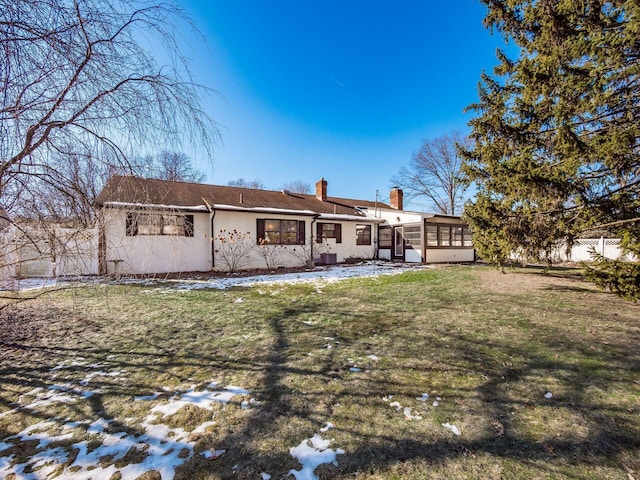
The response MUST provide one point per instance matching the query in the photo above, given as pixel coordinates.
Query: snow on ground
(455, 430)
(45, 283)
(320, 276)
(76, 450)
(311, 453)
(162, 447)
(26, 284)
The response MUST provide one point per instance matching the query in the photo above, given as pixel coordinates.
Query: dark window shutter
(338, 230)
(131, 225)
(301, 232)
(188, 225)
(260, 228)
(319, 232)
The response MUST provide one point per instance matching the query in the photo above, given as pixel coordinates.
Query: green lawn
(539, 373)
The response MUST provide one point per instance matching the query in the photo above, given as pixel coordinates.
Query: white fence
(582, 249)
(51, 252)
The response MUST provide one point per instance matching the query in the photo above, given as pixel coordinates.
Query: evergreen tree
(557, 130)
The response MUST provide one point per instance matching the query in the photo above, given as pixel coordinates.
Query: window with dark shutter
(329, 230)
(280, 232)
(132, 225)
(260, 229)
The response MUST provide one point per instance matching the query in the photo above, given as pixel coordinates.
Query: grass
(489, 345)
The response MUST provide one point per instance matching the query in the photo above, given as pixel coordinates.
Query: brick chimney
(321, 190)
(395, 198)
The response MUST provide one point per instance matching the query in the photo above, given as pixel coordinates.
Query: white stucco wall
(399, 217)
(348, 248)
(289, 255)
(246, 224)
(147, 254)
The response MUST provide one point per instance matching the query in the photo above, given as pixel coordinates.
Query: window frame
(447, 235)
(408, 233)
(366, 238)
(295, 238)
(385, 232)
(182, 224)
(321, 235)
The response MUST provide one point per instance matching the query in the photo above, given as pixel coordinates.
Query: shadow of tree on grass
(494, 386)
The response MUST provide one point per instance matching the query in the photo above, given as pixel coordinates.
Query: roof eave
(155, 206)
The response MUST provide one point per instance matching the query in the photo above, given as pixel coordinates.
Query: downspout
(212, 215)
(213, 247)
(313, 222)
(374, 234)
(424, 241)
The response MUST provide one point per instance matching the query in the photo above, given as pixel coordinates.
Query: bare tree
(435, 173)
(241, 182)
(173, 166)
(64, 195)
(297, 186)
(79, 89)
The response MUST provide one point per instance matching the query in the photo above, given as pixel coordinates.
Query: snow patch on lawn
(407, 411)
(26, 284)
(204, 399)
(160, 447)
(452, 428)
(42, 283)
(319, 276)
(311, 453)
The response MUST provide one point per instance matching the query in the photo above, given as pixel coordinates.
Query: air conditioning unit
(328, 258)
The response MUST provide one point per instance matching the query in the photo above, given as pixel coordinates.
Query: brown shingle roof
(135, 190)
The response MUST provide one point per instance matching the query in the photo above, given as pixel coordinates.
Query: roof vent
(285, 192)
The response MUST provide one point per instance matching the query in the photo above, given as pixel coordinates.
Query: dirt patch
(24, 322)
(527, 279)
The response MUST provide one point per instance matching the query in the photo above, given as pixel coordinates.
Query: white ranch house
(155, 226)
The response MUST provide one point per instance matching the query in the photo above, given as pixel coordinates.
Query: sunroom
(426, 238)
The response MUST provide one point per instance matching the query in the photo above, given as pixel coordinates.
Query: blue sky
(344, 90)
